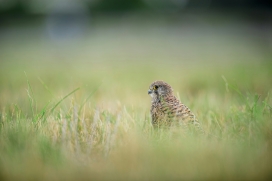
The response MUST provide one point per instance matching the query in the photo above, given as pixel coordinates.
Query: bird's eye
(156, 87)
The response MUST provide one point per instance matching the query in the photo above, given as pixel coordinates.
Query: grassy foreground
(82, 119)
(91, 134)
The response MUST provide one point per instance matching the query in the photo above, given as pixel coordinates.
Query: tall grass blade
(45, 86)
(63, 99)
(235, 88)
(31, 97)
(89, 96)
(42, 113)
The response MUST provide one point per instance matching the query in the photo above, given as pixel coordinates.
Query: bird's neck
(165, 97)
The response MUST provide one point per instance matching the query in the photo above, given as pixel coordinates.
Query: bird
(167, 110)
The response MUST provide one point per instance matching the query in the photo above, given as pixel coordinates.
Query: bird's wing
(180, 111)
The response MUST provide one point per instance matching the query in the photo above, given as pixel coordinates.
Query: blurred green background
(74, 77)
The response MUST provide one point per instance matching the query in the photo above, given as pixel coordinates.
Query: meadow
(79, 109)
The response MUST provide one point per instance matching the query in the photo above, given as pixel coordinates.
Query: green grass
(78, 118)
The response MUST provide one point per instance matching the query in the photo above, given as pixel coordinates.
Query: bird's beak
(149, 91)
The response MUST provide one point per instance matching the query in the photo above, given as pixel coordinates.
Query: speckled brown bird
(166, 109)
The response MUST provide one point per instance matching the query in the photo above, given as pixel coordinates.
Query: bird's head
(159, 88)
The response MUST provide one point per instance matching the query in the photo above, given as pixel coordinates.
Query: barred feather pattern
(166, 109)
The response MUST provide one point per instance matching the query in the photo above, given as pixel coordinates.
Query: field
(79, 109)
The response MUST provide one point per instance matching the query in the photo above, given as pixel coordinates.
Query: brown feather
(166, 109)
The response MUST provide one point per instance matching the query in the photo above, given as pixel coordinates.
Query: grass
(75, 119)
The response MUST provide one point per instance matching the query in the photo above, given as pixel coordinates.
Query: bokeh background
(136, 41)
(74, 76)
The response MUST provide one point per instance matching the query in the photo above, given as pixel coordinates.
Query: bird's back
(169, 110)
